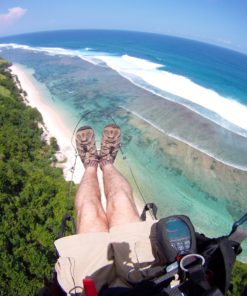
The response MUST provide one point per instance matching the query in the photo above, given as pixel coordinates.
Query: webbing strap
(199, 280)
(64, 226)
(198, 277)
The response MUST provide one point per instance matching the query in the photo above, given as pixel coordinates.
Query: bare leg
(90, 213)
(121, 208)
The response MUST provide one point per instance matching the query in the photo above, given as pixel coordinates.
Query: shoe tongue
(84, 137)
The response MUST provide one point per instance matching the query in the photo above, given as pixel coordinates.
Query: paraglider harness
(196, 265)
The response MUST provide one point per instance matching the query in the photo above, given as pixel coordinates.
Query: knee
(91, 218)
(120, 192)
(87, 207)
(87, 201)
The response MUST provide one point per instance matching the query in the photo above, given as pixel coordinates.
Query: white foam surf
(148, 75)
(85, 54)
(135, 68)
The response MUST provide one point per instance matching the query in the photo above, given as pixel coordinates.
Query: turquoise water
(111, 84)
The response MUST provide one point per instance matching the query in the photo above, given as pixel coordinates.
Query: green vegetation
(33, 195)
(239, 279)
(4, 91)
(2, 77)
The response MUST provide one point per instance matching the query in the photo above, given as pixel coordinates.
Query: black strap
(220, 255)
(64, 225)
(198, 277)
(228, 250)
(200, 284)
(149, 207)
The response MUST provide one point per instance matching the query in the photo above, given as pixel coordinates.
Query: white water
(134, 68)
(147, 75)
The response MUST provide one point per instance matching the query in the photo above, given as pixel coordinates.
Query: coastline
(211, 175)
(54, 126)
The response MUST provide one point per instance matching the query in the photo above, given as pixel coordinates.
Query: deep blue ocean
(193, 92)
(211, 66)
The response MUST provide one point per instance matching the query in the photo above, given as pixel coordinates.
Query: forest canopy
(33, 194)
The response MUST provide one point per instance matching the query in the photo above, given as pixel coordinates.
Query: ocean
(181, 105)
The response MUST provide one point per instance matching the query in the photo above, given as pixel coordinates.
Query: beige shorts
(124, 253)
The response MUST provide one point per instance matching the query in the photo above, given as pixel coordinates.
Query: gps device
(175, 236)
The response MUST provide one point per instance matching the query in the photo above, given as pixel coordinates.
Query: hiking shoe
(110, 144)
(86, 147)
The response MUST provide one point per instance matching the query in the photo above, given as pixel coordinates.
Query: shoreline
(204, 170)
(54, 126)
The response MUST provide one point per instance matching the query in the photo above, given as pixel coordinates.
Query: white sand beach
(56, 127)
